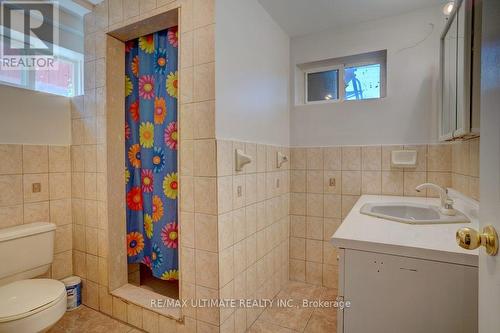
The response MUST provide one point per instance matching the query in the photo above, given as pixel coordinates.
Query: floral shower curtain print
(151, 151)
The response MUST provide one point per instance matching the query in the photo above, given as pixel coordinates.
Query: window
(65, 80)
(364, 77)
(323, 85)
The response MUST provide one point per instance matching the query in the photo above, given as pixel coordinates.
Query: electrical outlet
(239, 190)
(332, 182)
(36, 187)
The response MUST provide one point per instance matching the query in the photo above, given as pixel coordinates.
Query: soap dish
(404, 158)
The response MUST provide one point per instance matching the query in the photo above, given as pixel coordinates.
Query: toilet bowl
(27, 304)
(31, 306)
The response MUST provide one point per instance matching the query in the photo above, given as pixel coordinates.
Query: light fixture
(448, 8)
(329, 96)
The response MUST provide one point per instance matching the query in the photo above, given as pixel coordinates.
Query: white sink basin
(411, 213)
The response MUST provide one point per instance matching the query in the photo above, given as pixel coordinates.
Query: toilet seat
(24, 298)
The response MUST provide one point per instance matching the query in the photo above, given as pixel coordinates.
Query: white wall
(409, 112)
(32, 117)
(252, 73)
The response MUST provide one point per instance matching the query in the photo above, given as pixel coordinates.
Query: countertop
(429, 242)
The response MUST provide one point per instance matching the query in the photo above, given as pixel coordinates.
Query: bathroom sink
(411, 213)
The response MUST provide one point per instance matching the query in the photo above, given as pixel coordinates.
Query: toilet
(28, 305)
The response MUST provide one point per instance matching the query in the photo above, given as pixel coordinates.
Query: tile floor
(272, 320)
(86, 320)
(299, 319)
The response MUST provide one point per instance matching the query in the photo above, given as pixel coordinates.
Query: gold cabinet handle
(471, 239)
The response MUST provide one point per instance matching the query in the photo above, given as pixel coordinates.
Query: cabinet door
(392, 294)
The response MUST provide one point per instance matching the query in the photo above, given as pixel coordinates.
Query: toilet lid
(23, 297)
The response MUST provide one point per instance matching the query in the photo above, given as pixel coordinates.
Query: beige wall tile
(207, 269)
(333, 205)
(315, 181)
(187, 50)
(186, 118)
(314, 205)
(226, 265)
(314, 272)
(442, 179)
(119, 309)
(150, 321)
(474, 158)
(225, 194)
(11, 216)
(371, 182)
(12, 159)
(421, 157)
(261, 158)
(63, 239)
(314, 228)
(11, 190)
(348, 201)
(351, 158)
(392, 182)
(330, 276)
(35, 159)
(204, 120)
(225, 230)
(186, 224)
(37, 212)
(351, 182)
(439, 157)
(225, 157)
(205, 195)
(28, 181)
(297, 226)
(204, 87)
(314, 158)
(250, 188)
(206, 232)
(412, 180)
(332, 158)
(298, 158)
(62, 265)
(297, 270)
(371, 158)
(134, 315)
(59, 185)
(205, 160)
(186, 89)
(204, 12)
(297, 248)
(204, 44)
(314, 250)
(59, 159)
(186, 156)
(187, 194)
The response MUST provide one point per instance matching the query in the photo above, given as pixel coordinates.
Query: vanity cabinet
(393, 294)
(460, 72)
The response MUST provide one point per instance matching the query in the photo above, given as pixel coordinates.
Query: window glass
(362, 82)
(65, 79)
(323, 86)
(60, 81)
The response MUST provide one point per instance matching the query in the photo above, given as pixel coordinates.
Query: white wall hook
(280, 159)
(241, 159)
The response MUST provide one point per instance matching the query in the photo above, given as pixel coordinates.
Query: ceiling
(302, 17)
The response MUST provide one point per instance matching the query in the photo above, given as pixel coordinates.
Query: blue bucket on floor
(73, 286)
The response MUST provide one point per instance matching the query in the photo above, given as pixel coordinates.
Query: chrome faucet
(446, 202)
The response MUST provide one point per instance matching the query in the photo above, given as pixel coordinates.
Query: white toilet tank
(26, 251)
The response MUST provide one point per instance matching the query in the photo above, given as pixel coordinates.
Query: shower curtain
(151, 151)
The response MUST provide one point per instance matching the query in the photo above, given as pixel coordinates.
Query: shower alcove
(134, 283)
